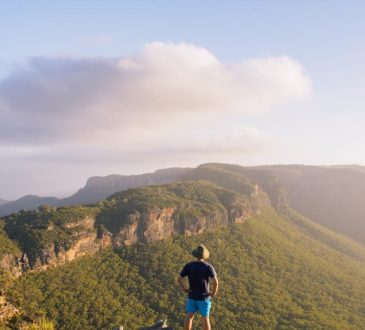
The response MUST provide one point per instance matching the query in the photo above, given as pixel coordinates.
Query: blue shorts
(203, 306)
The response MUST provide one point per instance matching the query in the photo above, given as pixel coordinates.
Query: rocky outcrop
(127, 235)
(55, 255)
(85, 223)
(50, 237)
(11, 264)
(146, 227)
(157, 223)
(160, 325)
(160, 223)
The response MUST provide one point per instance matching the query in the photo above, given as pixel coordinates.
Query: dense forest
(276, 272)
(277, 269)
(45, 234)
(38, 229)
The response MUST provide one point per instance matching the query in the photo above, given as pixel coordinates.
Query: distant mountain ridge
(290, 272)
(100, 187)
(3, 201)
(97, 188)
(28, 202)
(330, 195)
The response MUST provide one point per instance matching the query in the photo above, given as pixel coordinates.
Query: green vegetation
(242, 179)
(22, 322)
(37, 230)
(7, 246)
(42, 324)
(330, 196)
(275, 273)
(191, 199)
(56, 229)
(223, 177)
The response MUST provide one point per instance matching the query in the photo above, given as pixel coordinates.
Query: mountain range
(115, 262)
(330, 195)
(96, 188)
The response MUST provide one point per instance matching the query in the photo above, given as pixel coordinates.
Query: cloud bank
(61, 99)
(169, 104)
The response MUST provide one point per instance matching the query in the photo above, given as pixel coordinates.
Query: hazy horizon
(93, 89)
(67, 193)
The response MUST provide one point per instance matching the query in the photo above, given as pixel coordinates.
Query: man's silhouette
(199, 300)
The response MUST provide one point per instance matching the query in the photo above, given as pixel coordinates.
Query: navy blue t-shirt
(198, 273)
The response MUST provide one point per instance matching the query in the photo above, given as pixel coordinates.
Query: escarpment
(157, 212)
(50, 236)
(10, 263)
(241, 179)
(9, 257)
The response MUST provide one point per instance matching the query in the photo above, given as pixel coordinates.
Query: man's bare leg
(189, 321)
(206, 323)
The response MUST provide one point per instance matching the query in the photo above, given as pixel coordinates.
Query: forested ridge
(275, 272)
(277, 269)
(49, 235)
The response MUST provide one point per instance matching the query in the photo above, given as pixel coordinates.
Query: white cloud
(62, 99)
(168, 105)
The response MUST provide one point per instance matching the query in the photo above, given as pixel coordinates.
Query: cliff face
(83, 240)
(47, 244)
(53, 256)
(146, 227)
(10, 263)
(244, 180)
(9, 256)
(50, 237)
(149, 226)
(162, 223)
(159, 223)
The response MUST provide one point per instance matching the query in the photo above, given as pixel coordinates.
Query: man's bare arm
(182, 285)
(215, 286)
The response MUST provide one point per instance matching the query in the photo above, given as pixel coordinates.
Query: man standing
(199, 272)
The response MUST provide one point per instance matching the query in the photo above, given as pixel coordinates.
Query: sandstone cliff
(49, 237)
(10, 264)
(134, 222)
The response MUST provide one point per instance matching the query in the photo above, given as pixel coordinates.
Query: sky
(102, 87)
